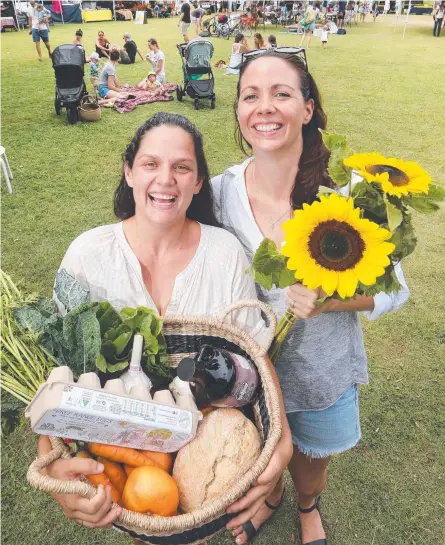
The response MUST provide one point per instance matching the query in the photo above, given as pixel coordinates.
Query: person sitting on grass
(150, 84)
(271, 42)
(157, 59)
(103, 45)
(77, 40)
(259, 41)
(239, 47)
(109, 86)
(129, 50)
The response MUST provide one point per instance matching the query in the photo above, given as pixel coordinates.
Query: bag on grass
(341, 31)
(205, 34)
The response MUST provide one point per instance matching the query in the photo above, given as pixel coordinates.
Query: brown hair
(259, 40)
(313, 163)
(114, 55)
(152, 41)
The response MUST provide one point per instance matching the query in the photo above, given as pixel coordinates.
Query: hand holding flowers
(343, 246)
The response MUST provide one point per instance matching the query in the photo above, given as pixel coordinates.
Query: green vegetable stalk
(25, 364)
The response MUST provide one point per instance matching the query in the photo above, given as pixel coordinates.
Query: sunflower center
(336, 245)
(396, 176)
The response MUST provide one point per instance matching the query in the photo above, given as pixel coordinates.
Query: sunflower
(396, 177)
(330, 246)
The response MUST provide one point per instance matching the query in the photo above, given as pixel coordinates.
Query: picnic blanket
(144, 97)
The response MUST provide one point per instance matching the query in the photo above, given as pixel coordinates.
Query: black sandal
(250, 530)
(309, 510)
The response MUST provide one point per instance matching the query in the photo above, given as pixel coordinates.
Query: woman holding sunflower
(278, 114)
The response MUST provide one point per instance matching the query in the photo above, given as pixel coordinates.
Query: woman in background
(103, 45)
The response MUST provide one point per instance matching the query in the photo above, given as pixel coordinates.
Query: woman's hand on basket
(97, 512)
(251, 502)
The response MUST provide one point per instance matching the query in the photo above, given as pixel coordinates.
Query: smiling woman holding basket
(278, 115)
(166, 254)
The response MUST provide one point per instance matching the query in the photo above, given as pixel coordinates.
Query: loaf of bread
(225, 447)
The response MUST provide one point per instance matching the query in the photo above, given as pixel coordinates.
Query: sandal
(309, 510)
(250, 530)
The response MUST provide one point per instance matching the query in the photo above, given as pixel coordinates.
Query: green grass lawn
(387, 95)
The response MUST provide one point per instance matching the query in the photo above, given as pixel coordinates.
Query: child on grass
(94, 70)
(150, 84)
(324, 35)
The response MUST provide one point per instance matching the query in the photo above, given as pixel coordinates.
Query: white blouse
(102, 261)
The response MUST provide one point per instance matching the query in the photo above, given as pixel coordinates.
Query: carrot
(128, 469)
(122, 455)
(162, 459)
(101, 478)
(115, 473)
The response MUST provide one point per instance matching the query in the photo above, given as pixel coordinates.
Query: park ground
(387, 94)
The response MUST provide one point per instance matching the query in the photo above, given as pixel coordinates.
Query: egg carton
(84, 411)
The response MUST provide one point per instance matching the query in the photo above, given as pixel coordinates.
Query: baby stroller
(196, 56)
(68, 63)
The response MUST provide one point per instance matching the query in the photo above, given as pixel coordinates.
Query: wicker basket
(184, 335)
(89, 109)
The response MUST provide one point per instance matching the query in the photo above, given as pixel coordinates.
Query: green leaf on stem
(269, 267)
(394, 215)
(338, 146)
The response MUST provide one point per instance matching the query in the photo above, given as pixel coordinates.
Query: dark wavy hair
(313, 164)
(201, 207)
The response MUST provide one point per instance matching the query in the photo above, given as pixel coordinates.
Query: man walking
(185, 20)
(38, 23)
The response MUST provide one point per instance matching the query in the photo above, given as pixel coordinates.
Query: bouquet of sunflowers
(347, 245)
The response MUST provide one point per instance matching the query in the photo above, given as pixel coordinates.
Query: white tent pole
(114, 10)
(61, 12)
(406, 20)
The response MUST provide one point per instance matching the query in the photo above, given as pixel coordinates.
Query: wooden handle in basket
(265, 309)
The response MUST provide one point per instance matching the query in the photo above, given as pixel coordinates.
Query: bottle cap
(186, 369)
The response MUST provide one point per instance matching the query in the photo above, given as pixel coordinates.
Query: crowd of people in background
(104, 77)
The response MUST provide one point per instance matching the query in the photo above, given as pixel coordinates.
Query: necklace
(288, 212)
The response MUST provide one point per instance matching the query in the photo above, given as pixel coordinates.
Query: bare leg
(309, 39)
(39, 51)
(302, 39)
(48, 47)
(262, 514)
(309, 477)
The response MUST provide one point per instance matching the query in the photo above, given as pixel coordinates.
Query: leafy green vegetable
(269, 267)
(68, 291)
(338, 146)
(94, 336)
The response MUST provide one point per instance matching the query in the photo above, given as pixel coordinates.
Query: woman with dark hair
(157, 59)
(278, 115)
(103, 45)
(166, 254)
(77, 40)
(271, 42)
(239, 47)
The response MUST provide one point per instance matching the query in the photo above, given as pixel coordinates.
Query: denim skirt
(320, 434)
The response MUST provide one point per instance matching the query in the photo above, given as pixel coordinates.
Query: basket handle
(265, 309)
(49, 484)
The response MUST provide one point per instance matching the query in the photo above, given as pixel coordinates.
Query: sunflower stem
(283, 327)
